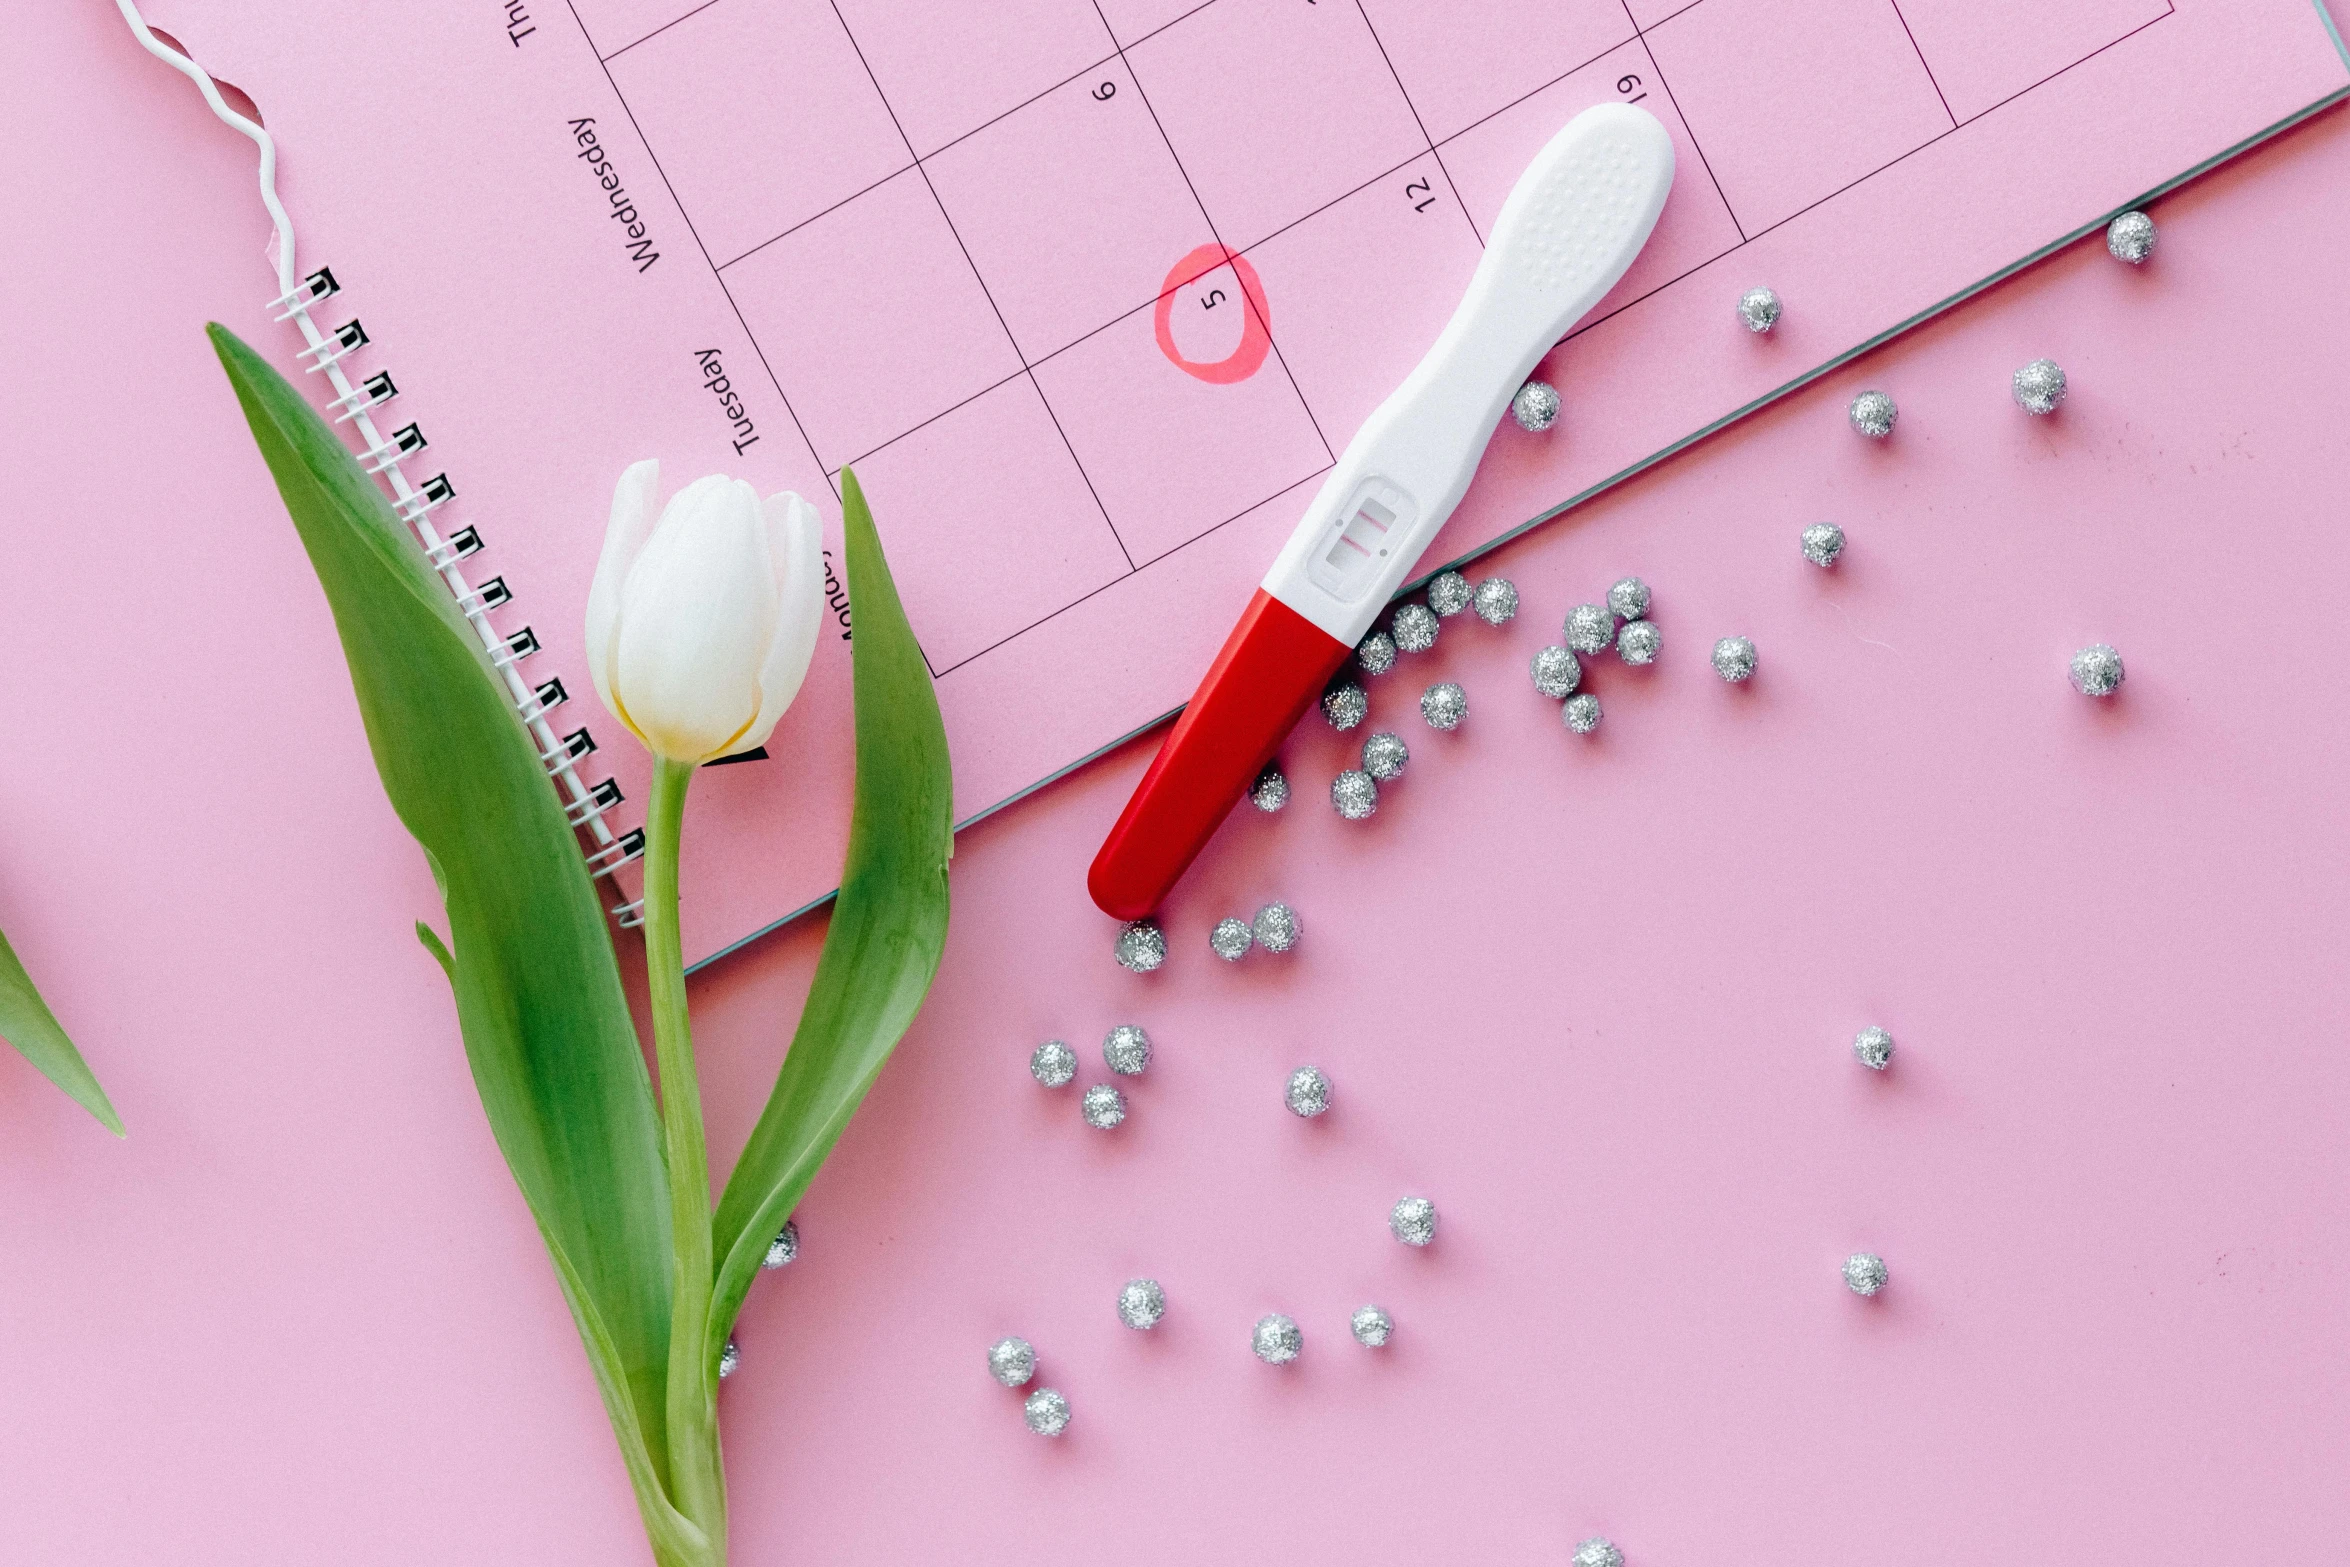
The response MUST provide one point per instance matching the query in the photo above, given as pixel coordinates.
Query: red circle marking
(1256, 329)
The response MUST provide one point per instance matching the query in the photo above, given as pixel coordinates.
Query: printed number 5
(1423, 191)
(1106, 91)
(1630, 85)
(1215, 297)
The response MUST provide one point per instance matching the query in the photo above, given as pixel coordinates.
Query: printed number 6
(1106, 91)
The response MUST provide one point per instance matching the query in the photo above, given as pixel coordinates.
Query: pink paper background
(1593, 997)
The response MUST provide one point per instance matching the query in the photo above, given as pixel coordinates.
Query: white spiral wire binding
(584, 804)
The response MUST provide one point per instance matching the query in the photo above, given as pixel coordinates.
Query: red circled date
(1256, 332)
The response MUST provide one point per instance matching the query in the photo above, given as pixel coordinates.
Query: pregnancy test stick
(1575, 220)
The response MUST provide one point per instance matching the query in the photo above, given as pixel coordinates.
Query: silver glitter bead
(1874, 1047)
(1126, 1050)
(1276, 1339)
(1628, 598)
(2097, 671)
(1413, 627)
(1449, 593)
(784, 1250)
(1046, 1412)
(1384, 755)
(1104, 1107)
(1308, 1091)
(1639, 642)
(1536, 407)
(730, 1360)
(1277, 928)
(1376, 653)
(1141, 1304)
(1497, 601)
(1865, 1272)
(2039, 386)
(1230, 940)
(1052, 1064)
(1142, 946)
(1011, 1361)
(1345, 706)
(1873, 414)
(1355, 794)
(1590, 628)
(1598, 1552)
(1444, 705)
(1372, 1326)
(2130, 237)
(1734, 659)
(1759, 309)
(1270, 792)
(1581, 713)
(1556, 672)
(1822, 543)
(1413, 1221)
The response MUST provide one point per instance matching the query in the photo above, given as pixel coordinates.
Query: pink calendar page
(1091, 292)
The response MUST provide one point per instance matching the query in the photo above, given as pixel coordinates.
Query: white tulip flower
(700, 625)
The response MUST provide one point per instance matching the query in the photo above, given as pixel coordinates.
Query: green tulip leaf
(27, 1023)
(888, 928)
(529, 952)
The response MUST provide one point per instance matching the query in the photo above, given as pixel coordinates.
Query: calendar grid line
(655, 33)
(1436, 145)
(1214, 233)
(1934, 81)
(1171, 550)
(949, 219)
(2170, 9)
(1129, 313)
(1589, 322)
(921, 158)
(897, 173)
(1450, 137)
(1641, 35)
(1406, 93)
(1941, 136)
(1691, 5)
(677, 201)
(953, 141)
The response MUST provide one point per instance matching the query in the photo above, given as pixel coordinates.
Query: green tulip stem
(697, 1471)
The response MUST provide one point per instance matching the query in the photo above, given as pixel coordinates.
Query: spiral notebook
(1089, 292)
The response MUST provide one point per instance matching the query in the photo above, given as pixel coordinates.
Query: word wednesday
(640, 247)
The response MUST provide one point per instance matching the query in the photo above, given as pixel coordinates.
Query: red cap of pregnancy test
(1274, 663)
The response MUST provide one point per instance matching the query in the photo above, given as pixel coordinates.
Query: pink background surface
(1593, 997)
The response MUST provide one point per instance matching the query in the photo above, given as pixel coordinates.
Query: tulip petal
(624, 537)
(795, 540)
(697, 613)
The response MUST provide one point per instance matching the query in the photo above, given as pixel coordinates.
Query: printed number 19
(1631, 85)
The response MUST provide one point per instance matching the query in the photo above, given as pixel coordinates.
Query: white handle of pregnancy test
(1571, 226)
